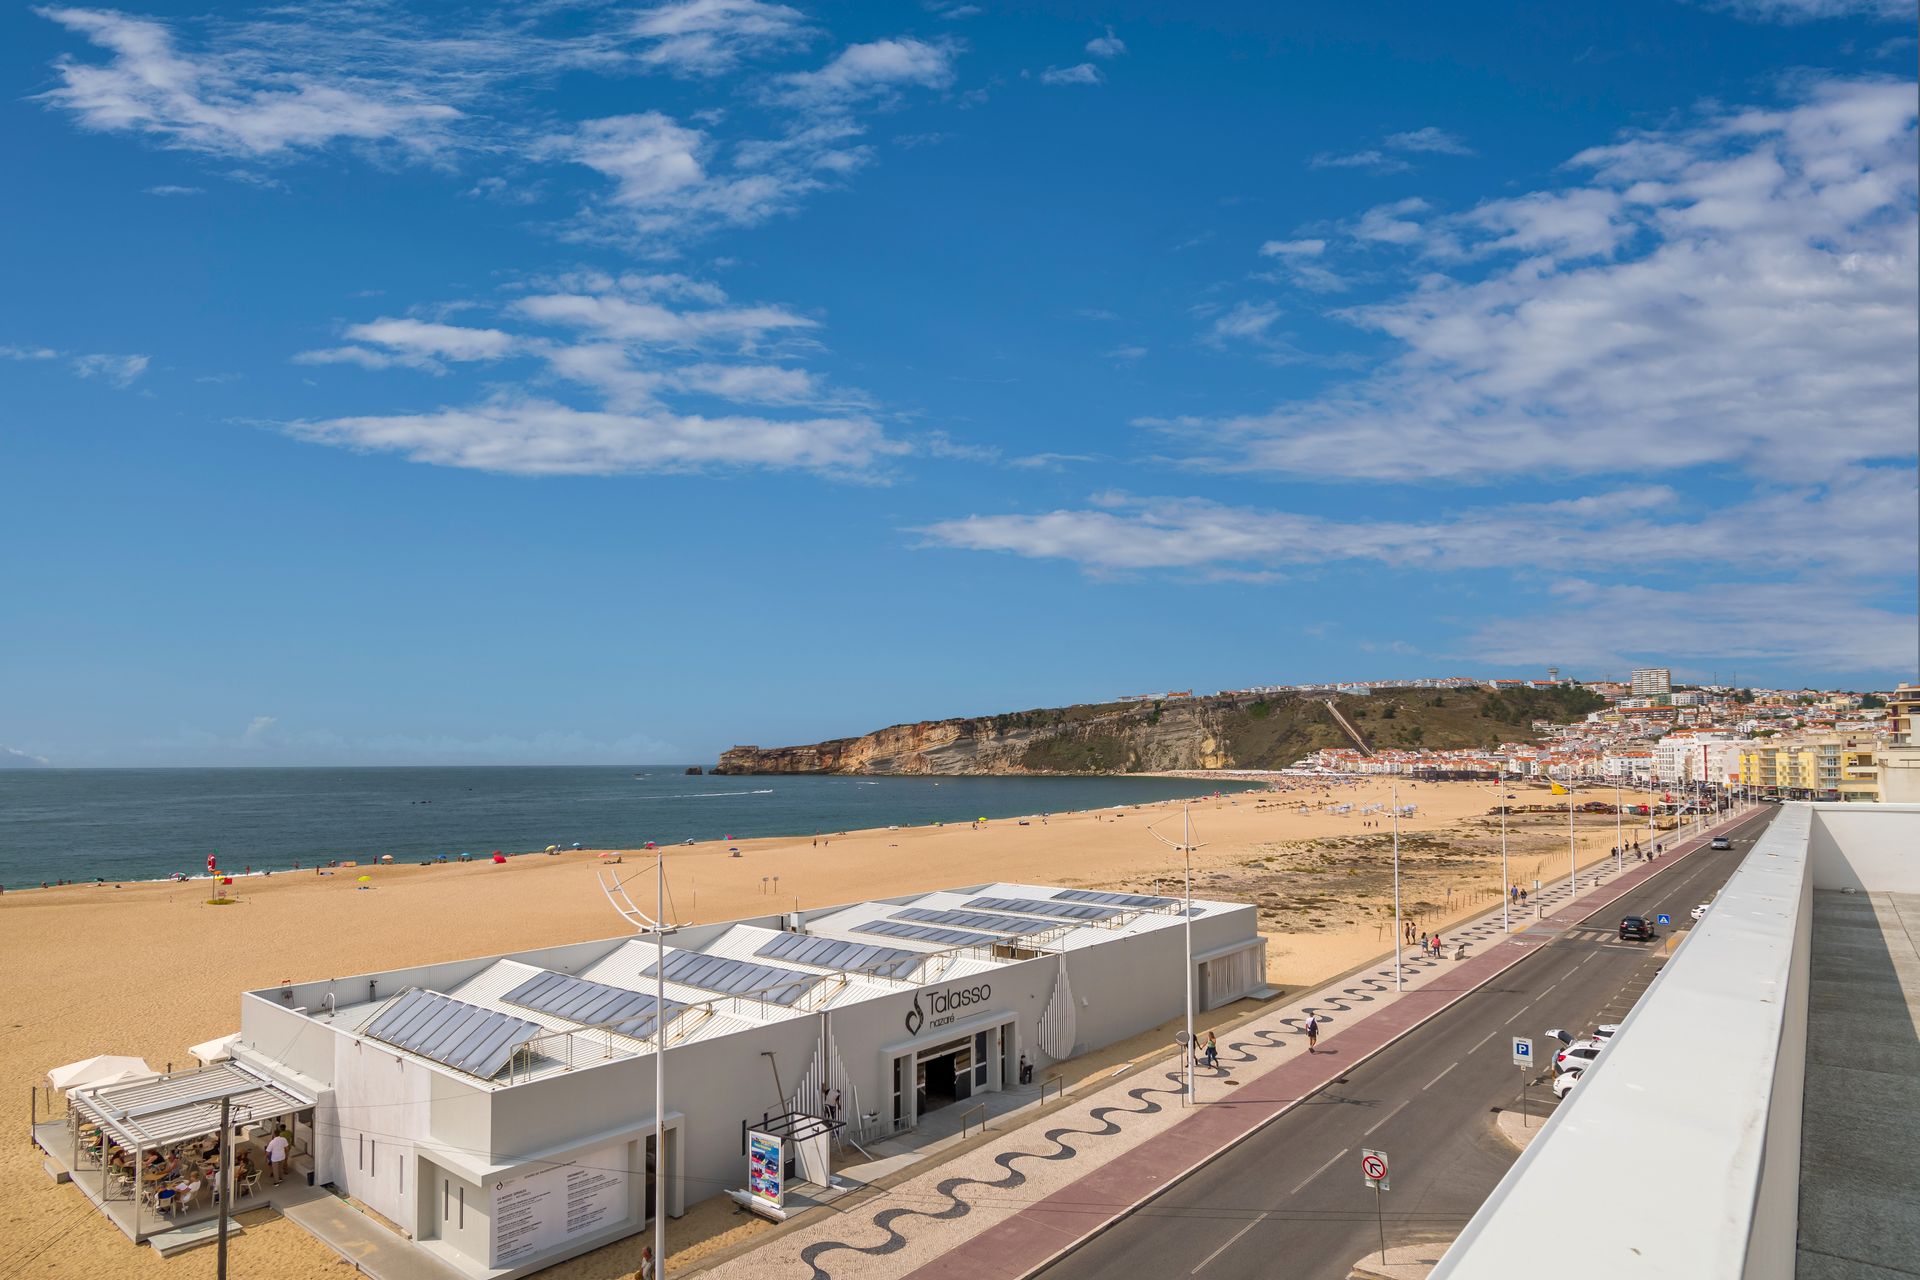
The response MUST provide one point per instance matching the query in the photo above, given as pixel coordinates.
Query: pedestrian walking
(277, 1156)
(1313, 1033)
(646, 1264)
(1213, 1052)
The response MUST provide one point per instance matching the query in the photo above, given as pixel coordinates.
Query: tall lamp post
(660, 1068)
(1398, 930)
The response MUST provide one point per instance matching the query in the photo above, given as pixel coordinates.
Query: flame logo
(915, 1018)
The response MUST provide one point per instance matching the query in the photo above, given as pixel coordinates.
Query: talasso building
(499, 1111)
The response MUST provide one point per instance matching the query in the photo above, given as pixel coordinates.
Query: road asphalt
(1291, 1199)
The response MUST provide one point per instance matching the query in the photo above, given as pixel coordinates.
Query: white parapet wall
(1679, 1153)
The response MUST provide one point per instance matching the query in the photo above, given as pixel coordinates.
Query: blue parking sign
(1663, 918)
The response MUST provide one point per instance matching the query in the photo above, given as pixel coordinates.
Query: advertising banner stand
(766, 1173)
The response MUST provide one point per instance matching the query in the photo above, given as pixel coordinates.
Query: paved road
(1290, 1200)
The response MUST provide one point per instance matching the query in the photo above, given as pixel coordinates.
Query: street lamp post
(1398, 930)
(1186, 848)
(1619, 832)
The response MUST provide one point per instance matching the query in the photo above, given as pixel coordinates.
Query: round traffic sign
(1374, 1167)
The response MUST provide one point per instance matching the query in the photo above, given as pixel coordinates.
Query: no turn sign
(1373, 1167)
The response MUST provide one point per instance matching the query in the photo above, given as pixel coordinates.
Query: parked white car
(1700, 911)
(1606, 1031)
(1578, 1054)
(1564, 1082)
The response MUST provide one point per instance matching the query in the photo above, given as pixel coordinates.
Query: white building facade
(499, 1110)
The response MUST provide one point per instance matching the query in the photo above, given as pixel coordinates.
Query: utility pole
(1619, 832)
(1572, 873)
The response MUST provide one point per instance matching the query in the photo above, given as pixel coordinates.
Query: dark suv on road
(1636, 928)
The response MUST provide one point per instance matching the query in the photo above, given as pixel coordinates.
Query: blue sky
(598, 381)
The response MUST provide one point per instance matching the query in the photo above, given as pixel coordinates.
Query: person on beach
(1313, 1033)
(277, 1157)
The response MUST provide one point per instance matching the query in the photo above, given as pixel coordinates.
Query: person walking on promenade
(1213, 1052)
(1313, 1033)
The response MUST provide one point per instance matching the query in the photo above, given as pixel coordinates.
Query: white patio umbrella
(106, 1068)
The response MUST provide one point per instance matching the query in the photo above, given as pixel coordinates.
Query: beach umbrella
(498, 857)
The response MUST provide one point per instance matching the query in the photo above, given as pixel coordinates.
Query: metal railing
(966, 1118)
(1059, 1087)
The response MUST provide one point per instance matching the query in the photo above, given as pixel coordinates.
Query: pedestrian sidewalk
(1003, 1208)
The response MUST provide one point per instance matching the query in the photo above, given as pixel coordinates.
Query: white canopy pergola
(217, 1050)
(99, 1071)
(168, 1109)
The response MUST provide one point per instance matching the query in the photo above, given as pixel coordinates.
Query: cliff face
(1112, 738)
(1225, 731)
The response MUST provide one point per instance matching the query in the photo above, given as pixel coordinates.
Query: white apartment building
(1651, 682)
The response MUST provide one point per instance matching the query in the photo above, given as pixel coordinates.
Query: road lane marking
(1236, 1235)
(1390, 1115)
(1317, 1172)
(1516, 1017)
(1544, 994)
(1483, 1039)
(1437, 1079)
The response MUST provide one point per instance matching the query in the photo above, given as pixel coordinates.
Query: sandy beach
(149, 969)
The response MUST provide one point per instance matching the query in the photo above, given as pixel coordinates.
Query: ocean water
(146, 824)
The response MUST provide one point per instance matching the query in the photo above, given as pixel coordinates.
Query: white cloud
(1107, 46)
(1293, 248)
(633, 347)
(1082, 73)
(1738, 292)
(1858, 527)
(28, 353)
(708, 37)
(1378, 161)
(1430, 139)
(169, 190)
(1792, 11)
(1245, 320)
(118, 370)
(537, 437)
(876, 70)
(1126, 354)
(231, 101)
(1389, 224)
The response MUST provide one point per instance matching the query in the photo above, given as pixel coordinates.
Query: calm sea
(146, 824)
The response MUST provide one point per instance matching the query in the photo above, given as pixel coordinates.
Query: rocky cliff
(1223, 731)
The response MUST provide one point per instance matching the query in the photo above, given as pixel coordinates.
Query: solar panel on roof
(594, 1004)
(972, 920)
(452, 1032)
(1037, 907)
(1105, 899)
(838, 953)
(928, 933)
(736, 977)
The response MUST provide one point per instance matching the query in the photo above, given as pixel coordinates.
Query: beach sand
(149, 969)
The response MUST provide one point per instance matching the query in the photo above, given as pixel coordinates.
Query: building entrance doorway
(943, 1075)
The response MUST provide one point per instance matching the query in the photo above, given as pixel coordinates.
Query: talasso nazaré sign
(944, 1005)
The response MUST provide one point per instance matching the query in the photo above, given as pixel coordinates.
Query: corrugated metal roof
(187, 1105)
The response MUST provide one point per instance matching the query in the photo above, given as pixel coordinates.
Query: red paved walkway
(1041, 1232)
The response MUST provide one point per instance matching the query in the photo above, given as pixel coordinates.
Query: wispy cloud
(1081, 73)
(664, 373)
(234, 100)
(167, 190)
(1431, 140)
(1735, 292)
(1796, 11)
(1390, 155)
(120, 371)
(711, 37)
(1107, 46)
